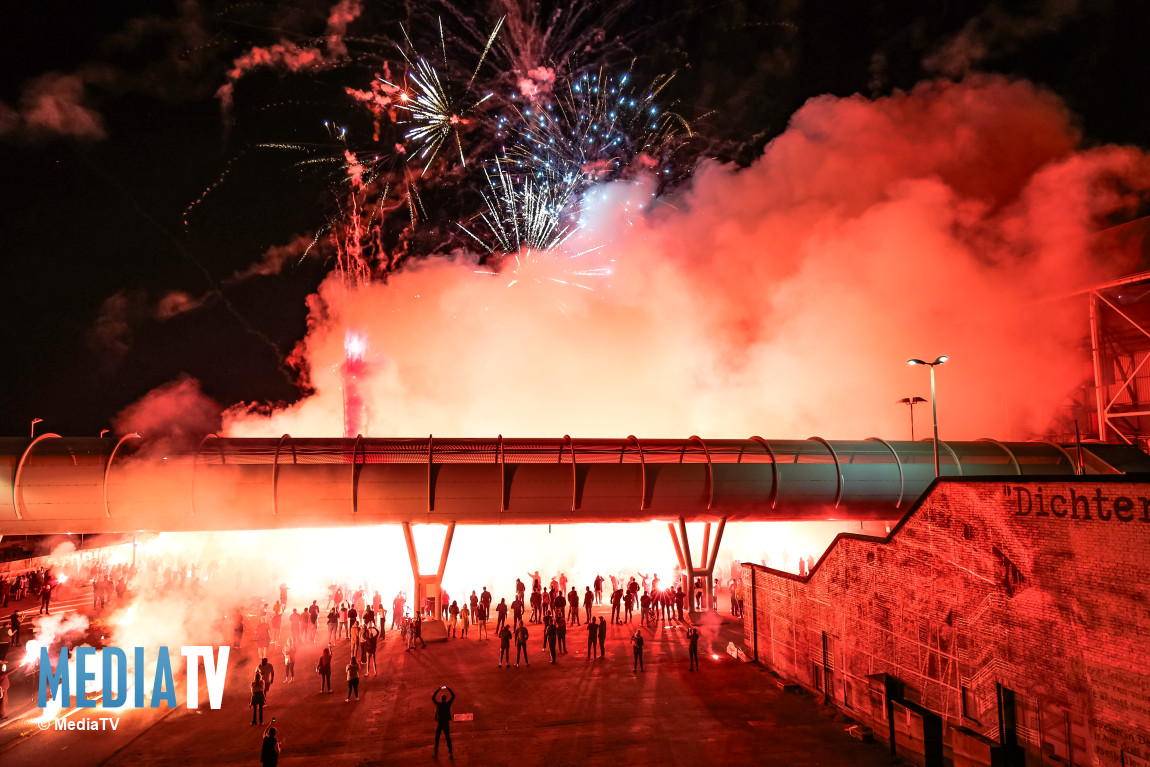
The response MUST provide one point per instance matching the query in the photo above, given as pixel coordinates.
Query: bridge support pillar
(427, 587)
(706, 570)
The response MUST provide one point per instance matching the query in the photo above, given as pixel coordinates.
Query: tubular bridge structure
(54, 484)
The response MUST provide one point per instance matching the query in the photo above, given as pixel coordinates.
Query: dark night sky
(88, 220)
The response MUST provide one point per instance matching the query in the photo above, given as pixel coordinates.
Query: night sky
(93, 196)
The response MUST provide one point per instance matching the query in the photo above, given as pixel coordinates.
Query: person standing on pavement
(263, 638)
(501, 611)
(602, 637)
(693, 647)
(323, 668)
(549, 639)
(370, 643)
(270, 750)
(521, 637)
(256, 702)
(637, 650)
(561, 632)
(592, 639)
(504, 635)
(443, 718)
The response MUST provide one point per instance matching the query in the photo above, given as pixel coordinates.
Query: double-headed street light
(933, 401)
(912, 401)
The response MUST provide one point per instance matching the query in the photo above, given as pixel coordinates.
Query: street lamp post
(34, 422)
(933, 401)
(912, 401)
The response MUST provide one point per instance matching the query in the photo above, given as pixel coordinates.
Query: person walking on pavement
(693, 647)
(352, 679)
(443, 718)
(289, 662)
(637, 650)
(268, 674)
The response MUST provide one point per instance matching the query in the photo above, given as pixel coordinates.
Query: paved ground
(575, 712)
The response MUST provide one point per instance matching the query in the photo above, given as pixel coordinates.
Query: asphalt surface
(577, 711)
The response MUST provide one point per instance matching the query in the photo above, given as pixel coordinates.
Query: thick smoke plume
(54, 104)
(782, 299)
(176, 415)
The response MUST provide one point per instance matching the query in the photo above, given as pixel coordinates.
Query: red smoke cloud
(291, 57)
(177, 414)
(782, 299)
(53, 104)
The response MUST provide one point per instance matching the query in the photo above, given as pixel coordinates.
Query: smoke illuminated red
(782, 298)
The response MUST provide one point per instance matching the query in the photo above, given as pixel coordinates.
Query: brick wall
(1040, 587)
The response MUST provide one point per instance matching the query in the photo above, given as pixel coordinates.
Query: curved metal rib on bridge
(59, 484)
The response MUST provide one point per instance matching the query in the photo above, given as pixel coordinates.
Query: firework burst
(436, 112)
(530, 231)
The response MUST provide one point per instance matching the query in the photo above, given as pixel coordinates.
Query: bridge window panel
(792, 450)
(323, 451)
(867, 452)
(732, 450)
(605, 451)
(464, 451)
(536, 451)
(1035, 458)
(392, 451)
(239, 451)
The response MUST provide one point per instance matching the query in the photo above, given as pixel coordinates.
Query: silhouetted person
(270, 750)
(592, 639)
(521, 637)
(693, 647)
(561, 633)
(602, 637)
(501, 611)
(352, 679)
(323, 668)
(443, 717)
(257, 700)
(504, 635)
(549, 638)
(637, 649)
(268, 673)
